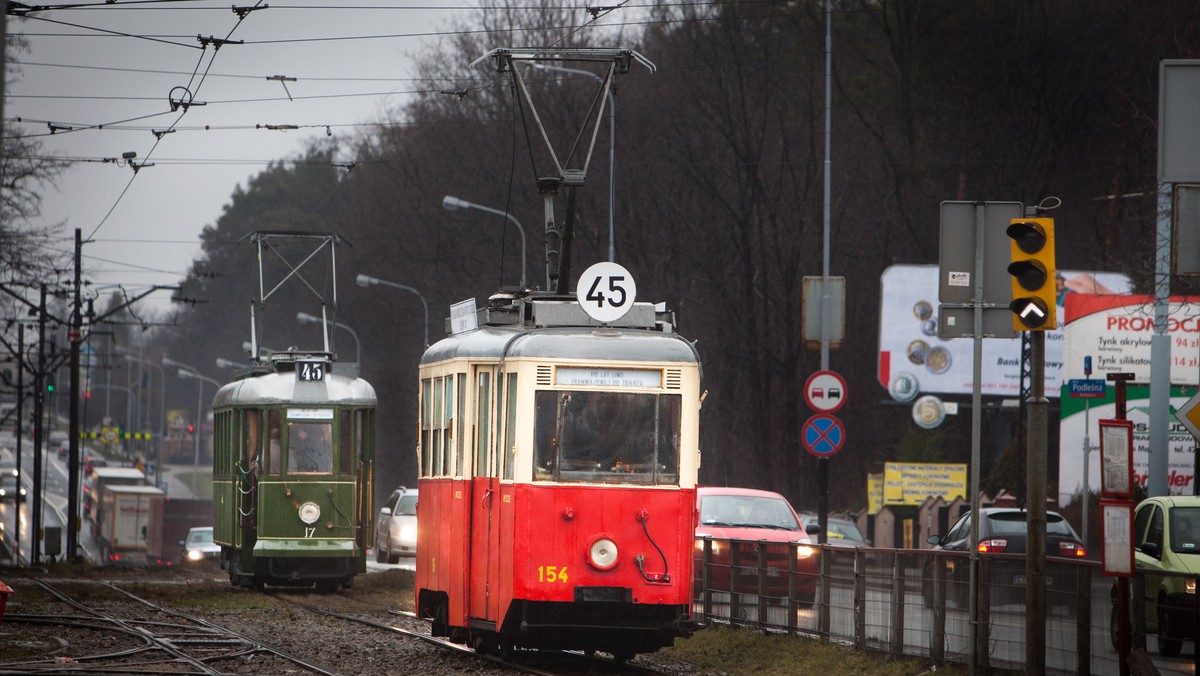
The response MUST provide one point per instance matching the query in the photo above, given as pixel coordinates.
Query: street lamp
(451, 203)
(187, 371)
(305, 318)
(223, 363)
(367, 280)
(612, 148)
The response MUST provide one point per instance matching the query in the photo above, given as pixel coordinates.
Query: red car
(744, 520)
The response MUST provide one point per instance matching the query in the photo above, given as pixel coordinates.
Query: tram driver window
(310, 448)
(607, 437)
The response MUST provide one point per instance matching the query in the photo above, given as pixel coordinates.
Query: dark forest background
(719, 196)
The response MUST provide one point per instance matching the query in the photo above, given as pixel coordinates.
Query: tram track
(570, 661)
(193, 622)
(155, 640)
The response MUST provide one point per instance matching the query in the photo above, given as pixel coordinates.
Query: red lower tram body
(513, 565)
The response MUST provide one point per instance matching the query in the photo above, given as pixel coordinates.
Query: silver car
(396, 526)
(199, 546)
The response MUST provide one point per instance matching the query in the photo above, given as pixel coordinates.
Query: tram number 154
(552, 574)
(606, 291)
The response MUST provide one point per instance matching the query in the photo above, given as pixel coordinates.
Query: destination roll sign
(1032, 270)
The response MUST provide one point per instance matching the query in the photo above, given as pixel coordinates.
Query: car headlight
(194, 555)
(408, 534)
(804, 552)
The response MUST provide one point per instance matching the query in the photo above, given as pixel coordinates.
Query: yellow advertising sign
(907, 483)
(874, 492)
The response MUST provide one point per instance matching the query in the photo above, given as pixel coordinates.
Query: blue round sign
(823, 435)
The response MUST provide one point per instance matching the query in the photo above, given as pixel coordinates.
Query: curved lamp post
(367, 280)
(451, 203)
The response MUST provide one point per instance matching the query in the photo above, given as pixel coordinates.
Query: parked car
(839, 532)
(1002, 530)
(396, 526)
(739, 522)
(10, 485)
(199, 546)
(1166, 550)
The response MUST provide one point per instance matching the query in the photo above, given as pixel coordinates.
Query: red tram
(558, 462)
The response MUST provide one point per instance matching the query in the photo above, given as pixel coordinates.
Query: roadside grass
(721, 650)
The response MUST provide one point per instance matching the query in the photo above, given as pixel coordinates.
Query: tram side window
(220, 443)
(510, 427)
(427, 427)
(274, 450)
(455, 443)
(310, 448)
(608, 437)
(483, 422)
(364, 432)
(438, 407)
(249, 441)
(345, 447)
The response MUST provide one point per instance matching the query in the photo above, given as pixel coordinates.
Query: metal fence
(915, 603)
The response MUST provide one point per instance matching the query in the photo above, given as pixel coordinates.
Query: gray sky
(117, 65)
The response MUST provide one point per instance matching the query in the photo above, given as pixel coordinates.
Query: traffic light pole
(1035, 560)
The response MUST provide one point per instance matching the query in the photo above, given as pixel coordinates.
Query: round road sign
(606, 291)
(823, 435)
(825, 391)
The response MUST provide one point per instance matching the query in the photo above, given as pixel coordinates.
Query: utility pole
(39, 432)
(75, 336)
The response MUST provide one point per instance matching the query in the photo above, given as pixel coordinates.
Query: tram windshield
(310, 448)
(607, 437)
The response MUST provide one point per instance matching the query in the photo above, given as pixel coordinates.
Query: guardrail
(915, 602)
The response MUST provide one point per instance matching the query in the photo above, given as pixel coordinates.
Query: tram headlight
(309, 512)
(602, 553)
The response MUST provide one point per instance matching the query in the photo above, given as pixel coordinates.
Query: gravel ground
(275, 617)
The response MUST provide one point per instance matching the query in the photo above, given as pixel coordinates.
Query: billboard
(1115, 332)
(909, 342)
(911, 483)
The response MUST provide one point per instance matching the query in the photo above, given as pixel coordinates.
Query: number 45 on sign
(606, 291)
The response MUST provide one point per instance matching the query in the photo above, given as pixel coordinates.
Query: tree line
(719, 185)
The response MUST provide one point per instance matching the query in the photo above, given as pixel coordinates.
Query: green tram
(293, 462)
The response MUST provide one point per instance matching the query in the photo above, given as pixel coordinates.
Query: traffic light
(50, 384)
(1032, 270)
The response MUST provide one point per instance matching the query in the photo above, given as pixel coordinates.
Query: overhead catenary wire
(198, 76)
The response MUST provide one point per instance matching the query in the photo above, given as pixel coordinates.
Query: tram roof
(597, 343)
(283, 388)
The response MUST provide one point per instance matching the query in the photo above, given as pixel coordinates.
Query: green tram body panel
(293, 468)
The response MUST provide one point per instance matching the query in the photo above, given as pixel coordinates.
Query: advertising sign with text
(1116, 330)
